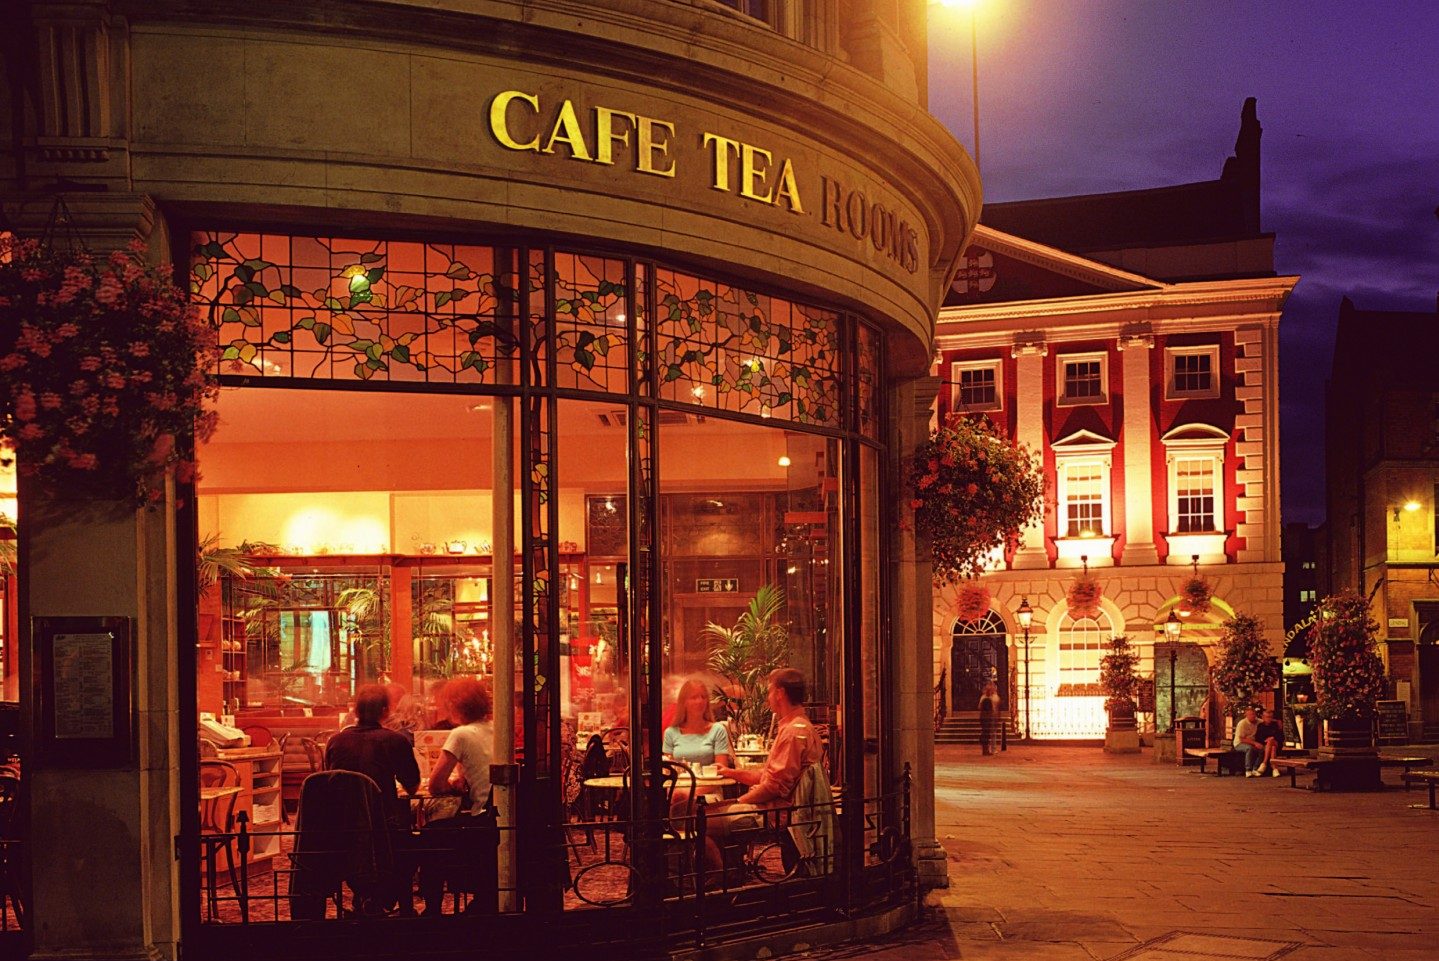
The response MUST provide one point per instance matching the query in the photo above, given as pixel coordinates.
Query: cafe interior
(371, 530)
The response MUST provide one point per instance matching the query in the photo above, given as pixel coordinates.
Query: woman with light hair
(696, 737)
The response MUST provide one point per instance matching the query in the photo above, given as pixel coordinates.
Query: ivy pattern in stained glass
(728, 348)
(866, 379)
(331, 308)
(591, 333)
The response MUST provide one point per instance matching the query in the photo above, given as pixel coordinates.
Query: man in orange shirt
(796, 747)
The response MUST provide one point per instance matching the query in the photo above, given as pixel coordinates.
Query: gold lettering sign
(753, 173)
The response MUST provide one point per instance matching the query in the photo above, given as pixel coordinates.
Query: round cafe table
(750, 754)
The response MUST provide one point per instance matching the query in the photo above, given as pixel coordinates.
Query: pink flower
(84, 461)
(66, 331)
(78, 388)
(12, 362)
(25, 406)
(109, 290)
(32, 432)
(139, 348)
(90, 363)
(50, 400)
(114, 381)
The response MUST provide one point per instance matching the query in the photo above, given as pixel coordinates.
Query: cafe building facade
(552, 337)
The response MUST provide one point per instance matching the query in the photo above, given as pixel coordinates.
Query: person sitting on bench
(796, 747)
(1271, 735)
(1245, 741)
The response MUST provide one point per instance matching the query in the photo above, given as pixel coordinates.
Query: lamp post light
(1173, 626)
(1025, 616)
(973, 7)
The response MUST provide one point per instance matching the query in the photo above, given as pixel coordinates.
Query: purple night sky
(1085, 96)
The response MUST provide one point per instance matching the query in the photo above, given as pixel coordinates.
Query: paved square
(1068, 853)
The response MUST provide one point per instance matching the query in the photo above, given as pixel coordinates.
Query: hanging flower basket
(972, 491)
(971, 601)
(1195, 594)
(105, 368)
(1084, 595)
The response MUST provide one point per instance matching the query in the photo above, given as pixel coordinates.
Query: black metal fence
(709, 874)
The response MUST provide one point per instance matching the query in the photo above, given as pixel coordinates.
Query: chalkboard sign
(1393, 726)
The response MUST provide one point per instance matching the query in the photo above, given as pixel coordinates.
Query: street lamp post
(1025, 616)
(1172, 628)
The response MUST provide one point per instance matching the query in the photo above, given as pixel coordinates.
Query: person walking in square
(988, 714)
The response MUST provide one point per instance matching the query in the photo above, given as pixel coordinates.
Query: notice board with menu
(1391, 722)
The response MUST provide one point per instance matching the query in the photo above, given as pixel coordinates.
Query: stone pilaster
(1139, 546)
(1029, 352)
(104, 878)
(912, 634)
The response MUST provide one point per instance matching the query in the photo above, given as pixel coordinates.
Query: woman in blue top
(696, 737)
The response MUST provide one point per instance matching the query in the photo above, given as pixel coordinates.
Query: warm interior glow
(784, 460)
(1412, 506)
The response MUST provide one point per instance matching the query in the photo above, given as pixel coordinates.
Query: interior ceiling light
(784, 460)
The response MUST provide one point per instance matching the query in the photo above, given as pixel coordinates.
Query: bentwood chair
(217, 822)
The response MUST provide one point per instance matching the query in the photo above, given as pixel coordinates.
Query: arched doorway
(977, 656)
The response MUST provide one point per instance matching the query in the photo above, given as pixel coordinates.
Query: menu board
(1392, 722)
(84, 716)
(84, 675)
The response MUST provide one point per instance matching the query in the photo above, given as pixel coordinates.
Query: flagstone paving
(1069, 854)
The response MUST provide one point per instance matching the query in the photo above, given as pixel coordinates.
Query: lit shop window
(1083, 379)
(1308, 595)
(976, 385)
(1191, 372)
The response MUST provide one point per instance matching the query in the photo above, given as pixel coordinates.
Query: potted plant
(1244, 667)
(745, 655)
(1118, 681)
(1348, 672)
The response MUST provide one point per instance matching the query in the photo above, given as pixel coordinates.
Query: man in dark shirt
(383, 755)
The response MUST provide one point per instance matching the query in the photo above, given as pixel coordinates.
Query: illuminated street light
(973, 7)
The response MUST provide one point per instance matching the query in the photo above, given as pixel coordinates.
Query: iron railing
(941, 701)
(712, 874)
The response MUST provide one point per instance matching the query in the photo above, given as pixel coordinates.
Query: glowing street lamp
(1173, 627)
(973, 7)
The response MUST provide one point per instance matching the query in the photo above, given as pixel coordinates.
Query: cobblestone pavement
(1069, 854)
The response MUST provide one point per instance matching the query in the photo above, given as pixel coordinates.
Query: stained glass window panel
(353, 309)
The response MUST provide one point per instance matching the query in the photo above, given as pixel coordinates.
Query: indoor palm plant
(745, 655)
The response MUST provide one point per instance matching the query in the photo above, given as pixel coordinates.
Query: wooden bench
(1295, 766)
(1406, 762)
(1431, 778)
(1223, 757)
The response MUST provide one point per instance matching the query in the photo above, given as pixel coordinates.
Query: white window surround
(1061, 360)
(1196, 442)
(1171, 392)
(1084, 449)
(958, 366)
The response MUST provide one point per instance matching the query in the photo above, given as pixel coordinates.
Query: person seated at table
(1271, 735)
(796, 747)
(470, 744)
(380, 754)
(407, 714)
(696, 737)
(454, 852)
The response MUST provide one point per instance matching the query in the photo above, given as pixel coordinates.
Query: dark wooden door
(977, 660)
